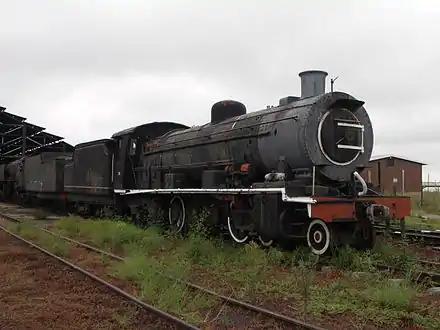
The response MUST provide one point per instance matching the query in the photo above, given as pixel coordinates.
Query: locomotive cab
(131, 143)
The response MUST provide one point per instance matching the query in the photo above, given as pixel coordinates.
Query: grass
(424, 215)
(430, 205)
(287, 280)
(375, 298)
(44, 240)
(162, 292)
(422, 222)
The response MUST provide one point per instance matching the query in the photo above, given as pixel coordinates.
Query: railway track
(431, 264)
(172, 321)
(428, 237)
(38, 292)
(420, 276)
(288, 322)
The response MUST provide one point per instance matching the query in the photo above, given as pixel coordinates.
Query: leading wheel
(177, 214)
(318, 237)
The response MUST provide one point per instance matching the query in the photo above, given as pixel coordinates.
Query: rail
(242, 304)
(428, 236)
(135, 300)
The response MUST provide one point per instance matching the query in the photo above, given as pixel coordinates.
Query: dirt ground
(38, 292)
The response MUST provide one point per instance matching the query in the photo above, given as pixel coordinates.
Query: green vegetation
(44, 240)
(288, 280)
(422, 222)
(431, 203)
(424, 215)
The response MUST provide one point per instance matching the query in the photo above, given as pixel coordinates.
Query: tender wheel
(177, 214)
(240, 236)
(318, 237)
(265, 241)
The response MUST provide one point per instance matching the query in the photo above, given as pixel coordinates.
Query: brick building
(394, 174)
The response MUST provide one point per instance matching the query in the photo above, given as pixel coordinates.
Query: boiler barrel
(299, 131)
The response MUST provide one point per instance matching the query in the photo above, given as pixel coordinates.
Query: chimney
(312, 83)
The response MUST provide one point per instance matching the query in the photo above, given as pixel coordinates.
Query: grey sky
(85, 69)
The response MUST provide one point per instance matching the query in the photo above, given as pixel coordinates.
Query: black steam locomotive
(284, 173)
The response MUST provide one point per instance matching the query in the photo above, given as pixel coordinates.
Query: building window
(390, 162)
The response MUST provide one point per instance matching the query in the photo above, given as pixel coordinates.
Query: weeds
(248, 271)
(306, 275)
(421, 222)
(350, 259)
(395, 257)
(391, 294)
(162, 291)
(46, 241)
(430, 205)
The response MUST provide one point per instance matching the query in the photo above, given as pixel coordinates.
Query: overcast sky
(85, 69)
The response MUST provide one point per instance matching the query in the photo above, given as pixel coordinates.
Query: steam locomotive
(285, 173)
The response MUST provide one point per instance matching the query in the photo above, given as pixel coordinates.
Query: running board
(220, 191)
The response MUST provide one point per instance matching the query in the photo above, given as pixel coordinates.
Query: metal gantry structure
(20, 138)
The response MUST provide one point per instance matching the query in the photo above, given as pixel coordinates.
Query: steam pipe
(363, 183)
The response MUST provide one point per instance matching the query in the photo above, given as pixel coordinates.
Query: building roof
(379, 157)
(12, 145)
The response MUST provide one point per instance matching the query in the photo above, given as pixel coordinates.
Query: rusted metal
(18, 138)
(329, 210)
(394, 175)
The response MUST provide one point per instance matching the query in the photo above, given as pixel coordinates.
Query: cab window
(133, 143)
